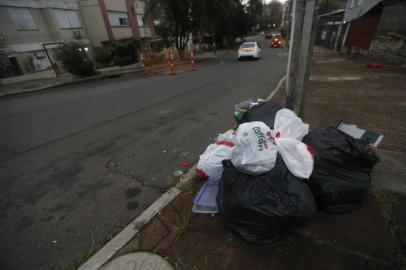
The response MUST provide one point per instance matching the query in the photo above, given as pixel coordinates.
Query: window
(141, 20)
(118, 18)
(248, 45)
(67, 18)
(22, 18)
(123, 21)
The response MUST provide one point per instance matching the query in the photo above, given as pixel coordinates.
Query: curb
(73, 82)
(90, 79)
(41, 88)
(131, 230)
(277, 87)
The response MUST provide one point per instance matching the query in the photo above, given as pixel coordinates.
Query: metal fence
(27, 52)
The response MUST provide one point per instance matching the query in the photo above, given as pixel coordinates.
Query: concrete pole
(300, 52)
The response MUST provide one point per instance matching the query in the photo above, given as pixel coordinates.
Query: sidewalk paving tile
(295, 252)
(362, 229)
(371, 237)
(355, 240)
(153, 234)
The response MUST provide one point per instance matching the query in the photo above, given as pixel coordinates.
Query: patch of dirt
(376, 102)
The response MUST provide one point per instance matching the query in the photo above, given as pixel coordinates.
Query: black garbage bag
(263, 112)
(342, 168)
(264, 207)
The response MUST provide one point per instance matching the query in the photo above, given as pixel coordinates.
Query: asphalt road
(78, 160)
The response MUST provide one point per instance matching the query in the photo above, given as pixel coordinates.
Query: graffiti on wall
(391, 43)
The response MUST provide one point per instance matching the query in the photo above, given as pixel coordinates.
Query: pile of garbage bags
(342, 169)
(262, 208)
(270, 174)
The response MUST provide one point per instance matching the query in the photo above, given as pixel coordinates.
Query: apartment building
(108, 20)
(286, 13)
(30, 31)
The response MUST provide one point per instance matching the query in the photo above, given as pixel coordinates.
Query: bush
(103, 55)
(124, 51)
(75, 59)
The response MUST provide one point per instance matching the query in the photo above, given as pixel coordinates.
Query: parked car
(249, 50)
(276, 43)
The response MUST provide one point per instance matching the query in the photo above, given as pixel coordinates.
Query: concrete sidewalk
(371, 237)
(105, 73)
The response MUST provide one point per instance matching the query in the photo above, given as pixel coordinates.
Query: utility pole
(300, 52)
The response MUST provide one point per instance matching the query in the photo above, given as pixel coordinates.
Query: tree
(273, 14)
(174, 17)
(276, 12)
(177, 19)
(124, 50)
(225, 19)
(255, 9)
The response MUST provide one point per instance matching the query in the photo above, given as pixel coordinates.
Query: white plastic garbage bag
(289, 125)
(297, 157)
(209, 165)
(289, 131)
(254, 153)
(228, 136)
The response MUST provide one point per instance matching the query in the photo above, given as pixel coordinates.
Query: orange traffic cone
(167, 63)
(193, 61)
(172, 66)
(144, 66)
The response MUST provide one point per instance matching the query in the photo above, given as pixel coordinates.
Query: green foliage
(192, 186)
(75, 59)
(272, 15)
(178, 18)
(164, 31)
(124, 51)
(103, 55)
(86, 254)
(180, 228)
(255, 10)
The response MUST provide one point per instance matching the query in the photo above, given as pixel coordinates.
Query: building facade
(375, 27)
(329, 29)
(108, 20)
(286, 13)
(30, 30)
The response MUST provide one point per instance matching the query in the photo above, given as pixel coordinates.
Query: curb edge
(131, 230)
(276, 89)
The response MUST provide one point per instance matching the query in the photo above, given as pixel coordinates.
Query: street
(79, 160)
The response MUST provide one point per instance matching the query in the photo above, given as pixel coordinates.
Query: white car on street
(249, 50)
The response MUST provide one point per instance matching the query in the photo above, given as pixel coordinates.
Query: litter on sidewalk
(209, 166)
(262, 208)
(342, 170)
(270, 174)
(205, 200)
(358, 133)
